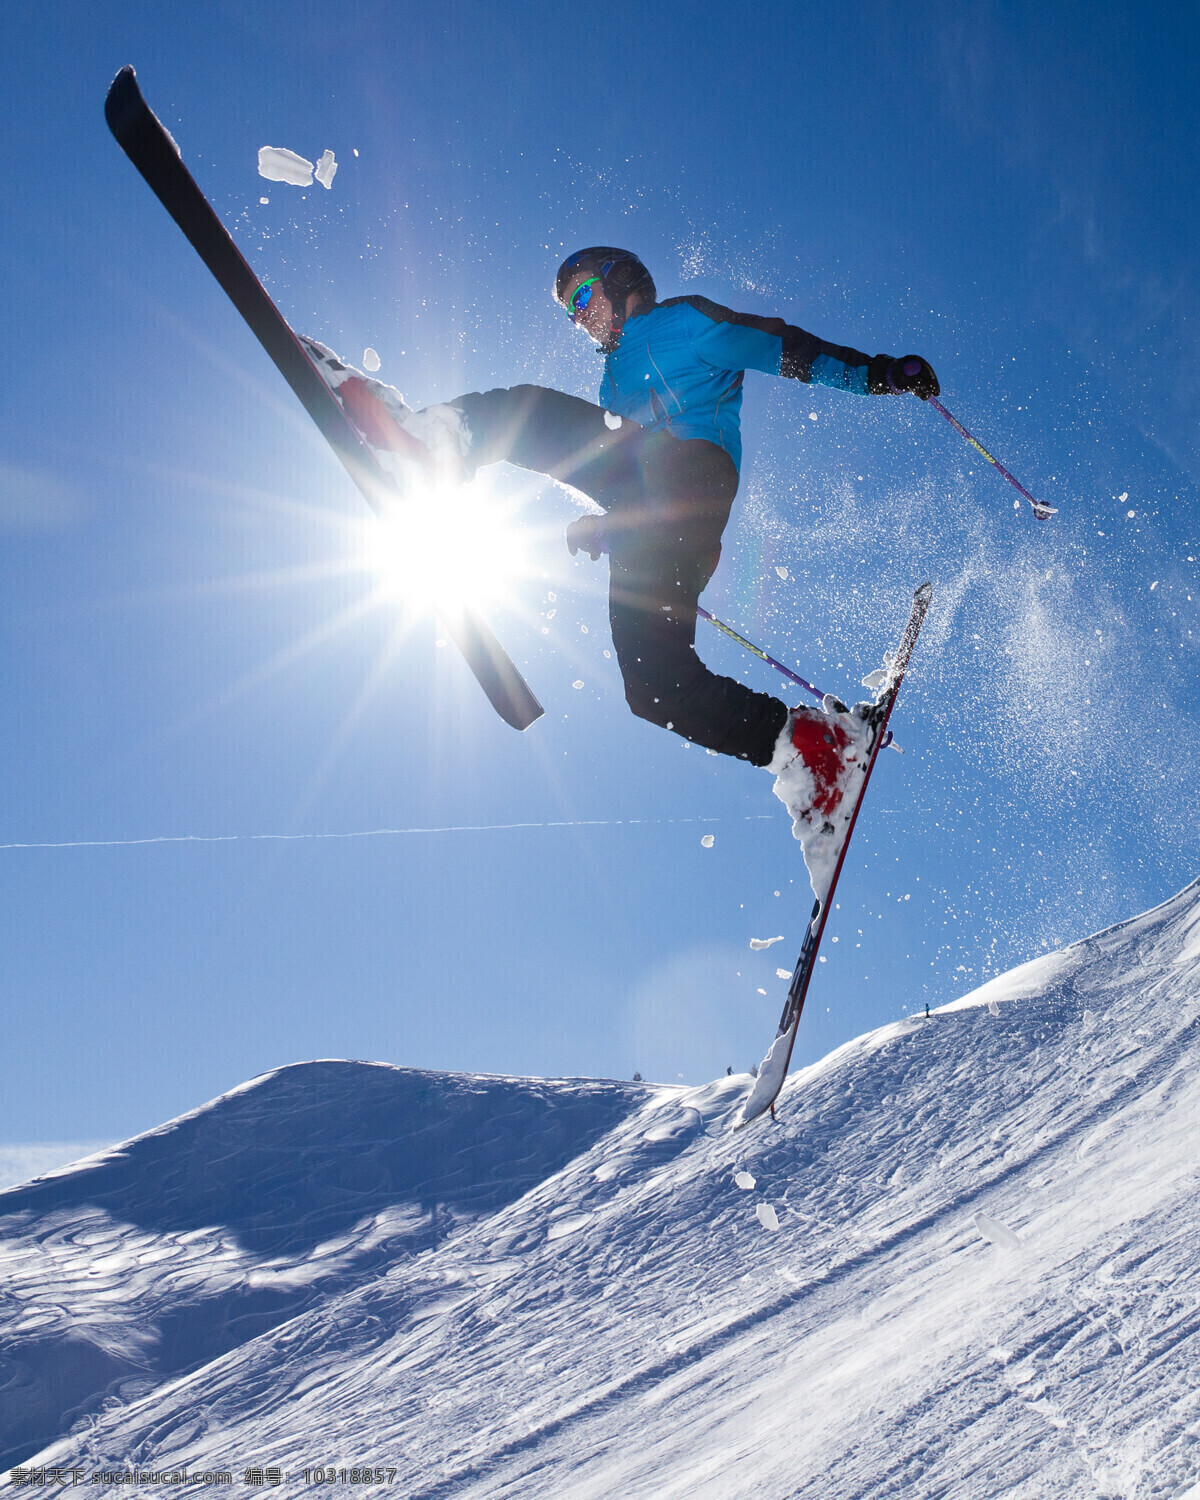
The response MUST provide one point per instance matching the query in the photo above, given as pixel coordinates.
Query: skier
(660, 456)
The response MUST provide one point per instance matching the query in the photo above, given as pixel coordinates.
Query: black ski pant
(667, 503)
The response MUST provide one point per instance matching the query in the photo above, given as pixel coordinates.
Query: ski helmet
(621, 273)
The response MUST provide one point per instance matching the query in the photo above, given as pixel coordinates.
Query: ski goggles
(580, 298)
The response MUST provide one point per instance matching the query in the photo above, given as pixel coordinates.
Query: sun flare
(447, 546)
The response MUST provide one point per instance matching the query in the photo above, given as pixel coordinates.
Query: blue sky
(190, 642)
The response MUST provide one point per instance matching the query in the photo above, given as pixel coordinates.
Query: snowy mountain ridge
(983, 1281)
(167, 1250)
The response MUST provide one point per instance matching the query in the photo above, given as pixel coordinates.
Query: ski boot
(429, 445)
(817, 752)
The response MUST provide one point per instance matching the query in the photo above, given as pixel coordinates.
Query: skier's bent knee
(644, 703)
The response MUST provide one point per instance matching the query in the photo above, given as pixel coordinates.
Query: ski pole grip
(908, 368)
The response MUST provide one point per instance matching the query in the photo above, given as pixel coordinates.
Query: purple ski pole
(588, 533)
(1041, 510)
(888, 739)
(761, 654)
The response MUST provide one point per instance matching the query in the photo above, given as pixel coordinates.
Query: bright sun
(447, 546)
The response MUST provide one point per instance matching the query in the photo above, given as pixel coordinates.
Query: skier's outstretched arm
(745, 341)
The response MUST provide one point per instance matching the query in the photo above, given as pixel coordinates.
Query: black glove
(587, 535)
(892, 377)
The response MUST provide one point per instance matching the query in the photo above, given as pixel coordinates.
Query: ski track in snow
(983, 1281)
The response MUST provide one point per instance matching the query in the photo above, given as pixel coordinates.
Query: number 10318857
(360, 1474)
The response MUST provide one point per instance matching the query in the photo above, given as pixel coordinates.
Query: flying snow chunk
(578, 683)
(783, 973)
(370, 360)
(264, 200)
(875, 679)
(993, 1008)
(999, 1234)
(759, 943)
(326, 169)
(744, 1181)
(766, 1216)
(277, 164)
(707, 841)
(812, 416)
(783, 572)
(611, 421)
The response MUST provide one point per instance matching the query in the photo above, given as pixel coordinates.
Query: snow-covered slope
(165, 1252)
(983, 1282)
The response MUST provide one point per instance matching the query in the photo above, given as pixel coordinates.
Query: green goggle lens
(580, 297)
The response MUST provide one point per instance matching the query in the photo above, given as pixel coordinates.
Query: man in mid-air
(660, 455)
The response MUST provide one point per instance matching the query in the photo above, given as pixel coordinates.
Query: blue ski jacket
(680, 365)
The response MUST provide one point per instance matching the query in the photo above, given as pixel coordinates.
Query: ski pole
(888, 739)
(1041, 510)
(587, 534)
(594, 536)
(761, 654)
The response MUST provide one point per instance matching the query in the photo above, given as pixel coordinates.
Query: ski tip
(520, 709)
(924, 593)
(494, 670)
(123, 102)
(750, 1112)
(742, 1119)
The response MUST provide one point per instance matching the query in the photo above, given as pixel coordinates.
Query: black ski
(152, 151)
(773, 1069)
